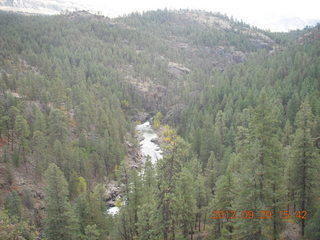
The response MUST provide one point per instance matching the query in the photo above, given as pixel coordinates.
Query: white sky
(261, 13)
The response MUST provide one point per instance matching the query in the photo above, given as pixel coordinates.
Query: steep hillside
(244, 110)
(158, 53)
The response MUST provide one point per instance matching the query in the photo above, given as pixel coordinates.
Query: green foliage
(60, 221)
(91, 232)
(77, 185)
(185, 203)
(157, 120)
(313, 227)
(13, 205)
(148, 221)
(11, 228)
(70, 83)
(305, 179)
(58, 126)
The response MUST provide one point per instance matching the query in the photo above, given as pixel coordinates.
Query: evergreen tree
(60, 222)
(148, 216)
(22, 132)
(58, 126)
(83, 212)
(39, 123)
(168, 172)
(91, 232)
(212, 172)
(148, 220)
(223, 201)
(305, 165)
(39, 146)
(11, 228)
(185, 203)
(312, 230)
(13, 205)
(262, 168)
(134, 199)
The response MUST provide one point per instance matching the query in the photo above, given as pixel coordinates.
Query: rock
(140, 138)
(177, 69)
(130, 145)
(112, 191)
(155, 140)
(111, 203)
(140, 116)
(38, 205)
(238, 56)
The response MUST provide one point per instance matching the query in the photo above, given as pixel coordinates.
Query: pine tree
(312, 230)
(287, 132)
(262, 170)
(134, 199)
(61, 222)
(12, 228)
(39, 145)
(305, 166)
(98, 209)
(39, 123)
(91, 232)
(148, 216)
(58, 126)
(207, 140)
(22, 132)
(185, 205)
(148, 220)
(13, 205)
(168, 171)
(271, 166)
(223, 201)
(212, 172)
(83, 212)
(219, 135)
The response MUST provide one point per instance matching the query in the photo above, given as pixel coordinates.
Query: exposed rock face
(208, 19)
(313, 35)
(112, 191)
(177, 69)
(134, 155)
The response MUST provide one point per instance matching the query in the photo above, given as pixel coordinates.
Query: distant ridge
(39, 6)
(51, 7)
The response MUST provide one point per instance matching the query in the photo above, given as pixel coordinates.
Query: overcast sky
(262, 13)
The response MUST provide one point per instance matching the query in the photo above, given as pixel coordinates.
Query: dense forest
(237, 110)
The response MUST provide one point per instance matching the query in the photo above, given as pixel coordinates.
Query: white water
(113, 210)
(148, 148)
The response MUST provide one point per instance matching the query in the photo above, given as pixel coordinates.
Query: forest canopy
(236, 108)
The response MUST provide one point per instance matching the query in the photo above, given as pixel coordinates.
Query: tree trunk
(173, 230)
(303, 188)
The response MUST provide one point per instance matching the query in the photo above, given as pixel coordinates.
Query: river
(148, 147)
